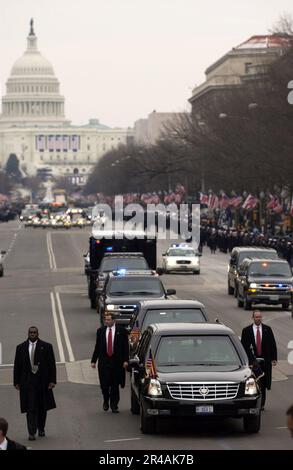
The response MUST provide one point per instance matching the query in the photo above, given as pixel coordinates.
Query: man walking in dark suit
(112, 351)
(35, 378)
(259, 342)
(5, 442)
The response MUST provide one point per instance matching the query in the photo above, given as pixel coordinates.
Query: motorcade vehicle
(124, 290)
(238, 254)
(111, 241)
(193, 370)
(264, 281)
(181, 257)
(164, 311)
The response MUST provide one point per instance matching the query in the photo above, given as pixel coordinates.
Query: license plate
(204, 410)
(274, 297)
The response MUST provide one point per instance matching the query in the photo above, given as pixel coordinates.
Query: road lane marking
(57, 329)
(49, 252)
(64, 327)
(52, 260)
(121, 440)
(11, 245)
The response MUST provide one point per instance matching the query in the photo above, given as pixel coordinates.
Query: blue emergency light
(109, 248)
(121, 271)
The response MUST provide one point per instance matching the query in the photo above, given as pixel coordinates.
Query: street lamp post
(202, 126)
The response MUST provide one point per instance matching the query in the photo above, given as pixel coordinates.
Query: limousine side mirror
(170, 291)
(3, 252)
(164, 254)
(159, 271)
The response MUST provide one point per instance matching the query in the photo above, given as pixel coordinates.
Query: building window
(88, 158)
(41, 157)
(88, 147)
(247, 67)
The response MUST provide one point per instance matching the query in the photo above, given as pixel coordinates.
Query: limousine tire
(134, 405)
(251, 424)
(147, 424)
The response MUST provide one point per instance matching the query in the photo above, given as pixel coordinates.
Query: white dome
(32, 90)
(32, 63)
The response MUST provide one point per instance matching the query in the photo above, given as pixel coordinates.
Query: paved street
(44, 285)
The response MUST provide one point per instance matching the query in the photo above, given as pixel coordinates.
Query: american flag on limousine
(151, 366)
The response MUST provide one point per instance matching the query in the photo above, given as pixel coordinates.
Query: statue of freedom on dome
(32, 33)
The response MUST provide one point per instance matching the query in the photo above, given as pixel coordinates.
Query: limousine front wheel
(251, 424)
(147, 423)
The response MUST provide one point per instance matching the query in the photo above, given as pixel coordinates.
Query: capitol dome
(32, 63)
(32, 90)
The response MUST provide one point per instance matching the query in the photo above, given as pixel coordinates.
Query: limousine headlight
(154, 389)
(250, 387)
(110, 307)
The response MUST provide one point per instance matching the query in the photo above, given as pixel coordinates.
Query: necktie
(32, 355)
(110, 343)
(258, 342)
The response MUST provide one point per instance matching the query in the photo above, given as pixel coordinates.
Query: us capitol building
(34, 128)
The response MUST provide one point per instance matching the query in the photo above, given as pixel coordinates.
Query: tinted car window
(196, 350)
(136, 286)
(269, 269)
(256, 254)
(190, 315)
(114, 264)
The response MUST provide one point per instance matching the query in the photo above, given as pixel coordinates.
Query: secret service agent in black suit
(268, 350)
(112, 351)
(35, 378)
(5, 442)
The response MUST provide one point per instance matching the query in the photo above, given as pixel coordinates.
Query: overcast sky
(118, 60)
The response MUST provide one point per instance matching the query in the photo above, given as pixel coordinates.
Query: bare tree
(283, 26)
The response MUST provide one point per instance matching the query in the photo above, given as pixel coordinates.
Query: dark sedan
(195, 370)
(165, 311)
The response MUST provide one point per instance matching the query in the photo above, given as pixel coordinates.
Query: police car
(181, 257)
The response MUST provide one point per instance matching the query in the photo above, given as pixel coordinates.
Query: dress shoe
(115, 410)
(105, 406)
(262, 408)
(31, 437)
(41, 433)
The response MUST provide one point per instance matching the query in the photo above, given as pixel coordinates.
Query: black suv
(124, 290)
(239, 253)
(165, 311)
(264, 282)
(114, 262)
(193, 370)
